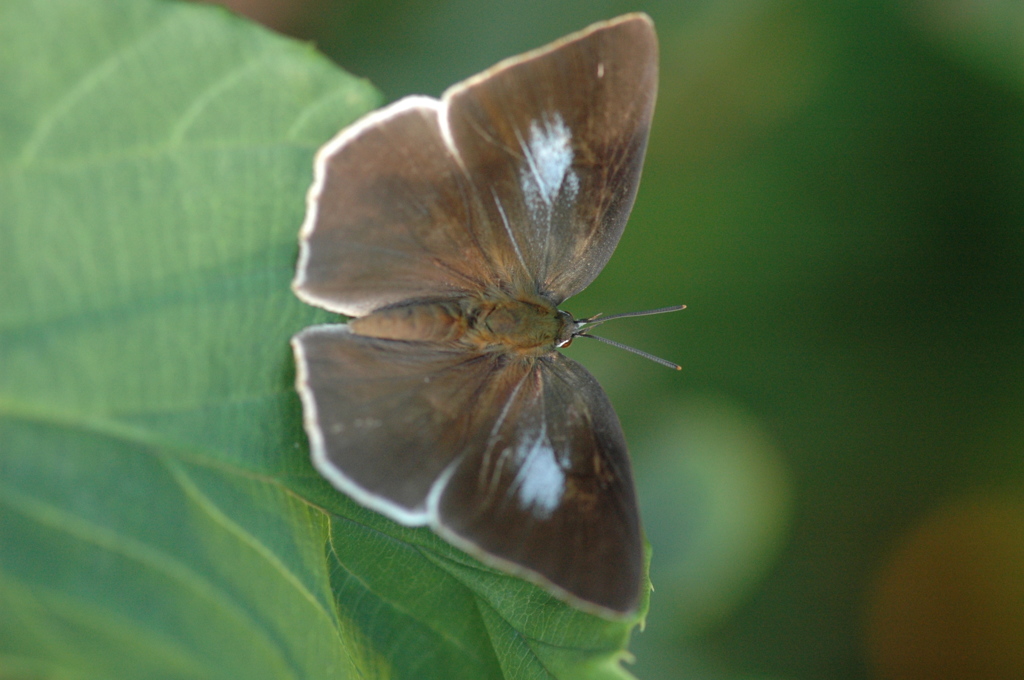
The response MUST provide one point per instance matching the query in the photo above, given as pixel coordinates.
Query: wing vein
(508, 229)
(492, 439)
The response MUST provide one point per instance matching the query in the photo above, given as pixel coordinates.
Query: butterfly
(451, 230)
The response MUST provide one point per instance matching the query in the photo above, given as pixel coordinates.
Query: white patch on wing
(540, 481)
(549, 155)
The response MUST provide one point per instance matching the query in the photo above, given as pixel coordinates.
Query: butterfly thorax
(528, 325)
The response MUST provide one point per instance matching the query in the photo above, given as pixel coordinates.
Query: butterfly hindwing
(388, 216)
(386, 418)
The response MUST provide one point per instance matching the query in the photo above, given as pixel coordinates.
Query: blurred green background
(833, 486)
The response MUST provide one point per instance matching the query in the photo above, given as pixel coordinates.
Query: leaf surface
(159, 516)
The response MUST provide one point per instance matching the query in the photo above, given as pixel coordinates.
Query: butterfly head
(570, 328)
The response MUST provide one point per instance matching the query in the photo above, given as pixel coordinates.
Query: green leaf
(159, 517)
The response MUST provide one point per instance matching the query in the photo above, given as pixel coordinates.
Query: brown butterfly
(452, 229)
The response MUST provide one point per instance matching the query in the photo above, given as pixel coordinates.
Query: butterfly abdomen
(427, 322)
(485, 323)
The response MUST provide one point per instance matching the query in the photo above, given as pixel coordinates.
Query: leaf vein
(52, 517)
(86, 84)
(208, 95)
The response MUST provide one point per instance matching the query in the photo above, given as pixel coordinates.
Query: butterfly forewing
(557, 162)
(550, 491)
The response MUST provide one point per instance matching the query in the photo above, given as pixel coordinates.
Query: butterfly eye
(564, 343)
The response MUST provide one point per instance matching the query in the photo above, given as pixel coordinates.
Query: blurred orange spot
(950, 601)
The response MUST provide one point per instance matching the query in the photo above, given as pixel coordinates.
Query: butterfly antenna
(634, 350)
(583, 325)
(599, 319)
